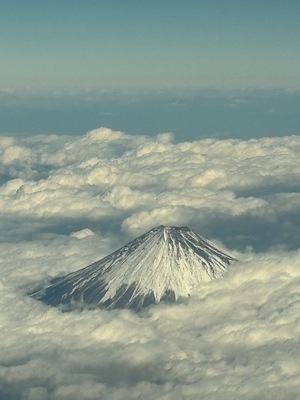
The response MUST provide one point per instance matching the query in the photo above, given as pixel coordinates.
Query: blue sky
(197, 68)
(71, 45)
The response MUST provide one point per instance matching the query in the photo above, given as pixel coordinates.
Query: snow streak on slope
(163, 264)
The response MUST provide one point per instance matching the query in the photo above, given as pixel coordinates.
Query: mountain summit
(163, 264)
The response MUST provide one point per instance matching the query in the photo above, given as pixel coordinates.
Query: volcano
(164, 264)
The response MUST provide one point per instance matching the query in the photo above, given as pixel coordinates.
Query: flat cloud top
(66, 202)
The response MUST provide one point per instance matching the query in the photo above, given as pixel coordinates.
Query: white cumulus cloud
(66, 202)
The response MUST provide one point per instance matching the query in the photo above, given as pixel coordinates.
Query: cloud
(111, 180)
(15, 154)
(66, 202)
(82, 234)
(242, 328)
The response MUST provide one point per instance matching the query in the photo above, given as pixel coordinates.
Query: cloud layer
(237, 337)
(244, 193)
(66, 202)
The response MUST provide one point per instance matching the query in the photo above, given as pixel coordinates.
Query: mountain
(164, 264)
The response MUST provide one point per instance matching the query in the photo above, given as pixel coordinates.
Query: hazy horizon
(66, 45)
(189, 115)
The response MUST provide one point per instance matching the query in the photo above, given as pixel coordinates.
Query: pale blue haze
(222, 68)
(67, 44)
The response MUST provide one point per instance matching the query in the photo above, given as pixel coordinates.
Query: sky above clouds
(68, 201)
(67, 45)
(195, 68)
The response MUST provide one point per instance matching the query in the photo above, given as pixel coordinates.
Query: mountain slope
(163, 264)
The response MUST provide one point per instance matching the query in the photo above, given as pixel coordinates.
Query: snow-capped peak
(163, 264)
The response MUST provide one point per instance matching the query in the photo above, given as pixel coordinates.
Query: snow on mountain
(163, 264)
